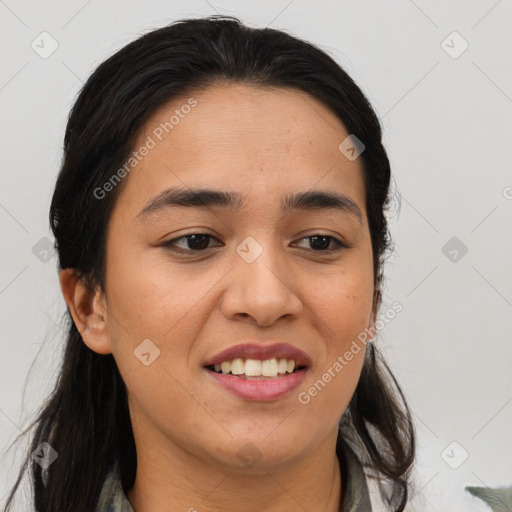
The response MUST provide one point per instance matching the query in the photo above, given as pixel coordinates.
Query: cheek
(150, 297)
(342, 306)
(342, 301)
(342, 311)
(155, 312)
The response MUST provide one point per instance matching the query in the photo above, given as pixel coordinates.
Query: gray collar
(355, 496)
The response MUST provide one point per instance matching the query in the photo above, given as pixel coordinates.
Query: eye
(195, 242)
(321, 243)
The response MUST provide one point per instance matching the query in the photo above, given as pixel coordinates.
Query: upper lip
(262, 352)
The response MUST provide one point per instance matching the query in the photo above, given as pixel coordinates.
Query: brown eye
(195, 242)
(322, 243)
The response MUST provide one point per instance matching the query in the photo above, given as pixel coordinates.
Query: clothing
(355, 495)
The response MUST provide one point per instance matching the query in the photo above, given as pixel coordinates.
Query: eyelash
(170, 243)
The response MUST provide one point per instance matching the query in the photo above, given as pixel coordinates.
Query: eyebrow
(314, 200)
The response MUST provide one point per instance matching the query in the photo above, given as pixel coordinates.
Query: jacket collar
(355, 496)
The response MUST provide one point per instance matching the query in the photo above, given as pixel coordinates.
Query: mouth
(258, 380)
(258, 370)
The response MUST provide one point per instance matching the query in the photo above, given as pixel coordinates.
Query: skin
(263, 143)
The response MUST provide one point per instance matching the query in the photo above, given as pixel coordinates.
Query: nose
(261, 291)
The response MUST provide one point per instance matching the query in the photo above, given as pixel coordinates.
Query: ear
(88, 311)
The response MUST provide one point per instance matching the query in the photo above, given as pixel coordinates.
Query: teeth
(269, 368)
(237, 366)
(252, 367)
(256, 368)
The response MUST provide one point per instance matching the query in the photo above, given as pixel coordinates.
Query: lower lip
(265, 389)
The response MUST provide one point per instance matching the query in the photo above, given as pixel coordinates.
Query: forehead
(247, 138)
(250, 117)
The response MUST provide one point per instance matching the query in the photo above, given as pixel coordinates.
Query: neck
(178, 480)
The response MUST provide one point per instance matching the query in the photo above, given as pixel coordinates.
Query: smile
(247, 379)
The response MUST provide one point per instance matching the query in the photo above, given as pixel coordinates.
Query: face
(263, 274)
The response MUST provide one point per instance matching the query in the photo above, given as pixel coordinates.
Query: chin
(257, 453)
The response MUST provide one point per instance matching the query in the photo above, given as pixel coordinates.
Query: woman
(220, 223)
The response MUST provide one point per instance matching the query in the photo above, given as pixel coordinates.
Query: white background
(447, 125)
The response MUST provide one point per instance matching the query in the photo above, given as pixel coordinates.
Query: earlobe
(87, 309)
